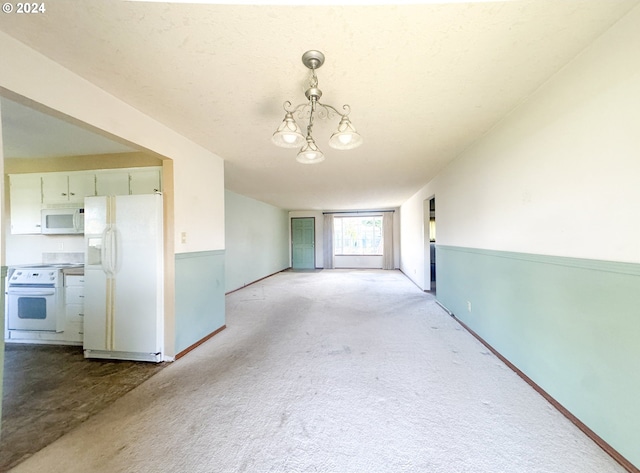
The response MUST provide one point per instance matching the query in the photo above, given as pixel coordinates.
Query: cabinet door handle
(72, 193)
(63, 194)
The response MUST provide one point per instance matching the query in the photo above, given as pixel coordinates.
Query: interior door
(303, 253)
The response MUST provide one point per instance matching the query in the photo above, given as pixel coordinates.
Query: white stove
(35, 297)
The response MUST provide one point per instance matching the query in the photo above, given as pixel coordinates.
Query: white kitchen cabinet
(26, 203)
(64, 188)
(112, 182)
(55, 188)
(128, 181)
(30, 193)
(74, 307)
(144, 181)
(81, 185)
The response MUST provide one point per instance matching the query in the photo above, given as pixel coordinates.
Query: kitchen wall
(256, 240)
(198, 175)
(538, 240)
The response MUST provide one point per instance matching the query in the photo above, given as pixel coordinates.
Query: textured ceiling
(424, 81)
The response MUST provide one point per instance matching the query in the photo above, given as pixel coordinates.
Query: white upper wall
(559, 176)
(198, 173)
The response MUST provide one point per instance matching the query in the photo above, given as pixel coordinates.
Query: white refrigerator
(124, 277)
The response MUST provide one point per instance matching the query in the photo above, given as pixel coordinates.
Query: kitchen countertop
(75, 271)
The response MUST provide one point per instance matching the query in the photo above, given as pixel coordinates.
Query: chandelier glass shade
(346, 137)
(289, 133)
(309, 153)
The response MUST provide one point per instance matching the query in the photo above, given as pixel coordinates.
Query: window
(357, 235)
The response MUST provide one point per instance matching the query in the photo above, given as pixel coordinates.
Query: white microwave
(62, 221)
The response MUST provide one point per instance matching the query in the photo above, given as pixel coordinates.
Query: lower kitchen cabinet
(74, 307)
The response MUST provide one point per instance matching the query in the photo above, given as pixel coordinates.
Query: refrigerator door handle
(115, 252)
(103, 251)
(108, 251)
(113, 248)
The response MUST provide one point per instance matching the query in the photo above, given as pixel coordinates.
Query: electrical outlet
(469, 306)
(183, 237)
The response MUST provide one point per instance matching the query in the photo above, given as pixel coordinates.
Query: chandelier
(289, 134)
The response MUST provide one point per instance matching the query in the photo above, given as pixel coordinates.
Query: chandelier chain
(313, 80)
(313, 109)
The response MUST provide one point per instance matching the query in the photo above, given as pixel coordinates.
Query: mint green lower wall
(571, 325)
(199, 296)
(256, 240)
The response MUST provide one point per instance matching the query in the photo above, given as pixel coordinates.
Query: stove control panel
(34, 277)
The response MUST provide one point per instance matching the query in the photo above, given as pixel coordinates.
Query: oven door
(31, 308)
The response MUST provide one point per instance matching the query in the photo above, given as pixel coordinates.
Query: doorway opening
(430, 244)
(55, 154)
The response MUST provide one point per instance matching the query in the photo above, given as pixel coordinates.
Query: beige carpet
(330, 371)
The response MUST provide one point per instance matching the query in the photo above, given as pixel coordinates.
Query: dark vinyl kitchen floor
(49, 390)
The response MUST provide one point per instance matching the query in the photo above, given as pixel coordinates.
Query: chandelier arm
(299, 108)
(331, 108)
(288, 107)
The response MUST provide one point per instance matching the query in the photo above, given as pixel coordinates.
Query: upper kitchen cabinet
(112, 182)
(30, 193)
(128, 181)
(144, 181)
(81, 186)
(26, 203)
(63, 188)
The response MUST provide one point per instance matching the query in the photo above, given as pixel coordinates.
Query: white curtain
(328, 241)
(387, 229)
